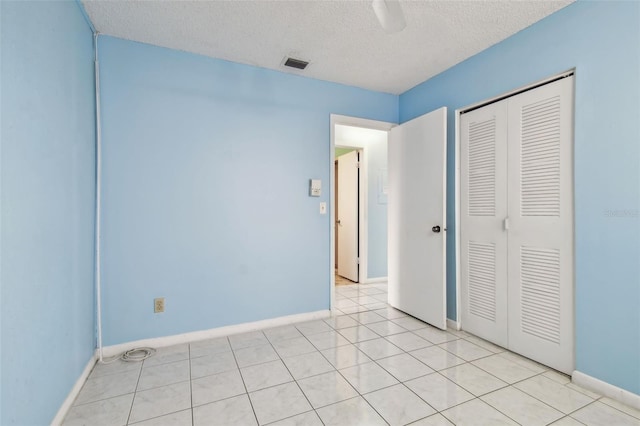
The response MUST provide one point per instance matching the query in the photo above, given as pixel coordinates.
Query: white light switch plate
(323, 208)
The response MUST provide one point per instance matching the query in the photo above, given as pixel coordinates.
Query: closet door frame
(458, 113)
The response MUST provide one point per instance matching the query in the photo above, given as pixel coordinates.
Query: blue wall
(206, 172)
(602, 40)
(47, 196)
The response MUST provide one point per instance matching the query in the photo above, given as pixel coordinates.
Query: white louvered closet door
(483, 249)
(540, 209)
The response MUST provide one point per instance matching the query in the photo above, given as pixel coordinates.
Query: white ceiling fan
(390, 15)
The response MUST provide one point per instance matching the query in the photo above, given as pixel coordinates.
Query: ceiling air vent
(296, 63)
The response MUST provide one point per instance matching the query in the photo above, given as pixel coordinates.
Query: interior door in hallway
(417, 170)
(347, 219)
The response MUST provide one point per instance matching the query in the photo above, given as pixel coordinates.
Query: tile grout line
(475, 398)
(242, 378)
(315, 410)
(593, 400)
(190, 386)
(290, 417)
(135, 393)
(296, 380)
(572, 418)
(362, 395)
(615, 408)
(156, 387)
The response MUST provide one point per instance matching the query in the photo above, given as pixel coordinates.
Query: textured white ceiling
(342, 39)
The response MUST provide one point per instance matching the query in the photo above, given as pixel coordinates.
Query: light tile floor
(369, 364)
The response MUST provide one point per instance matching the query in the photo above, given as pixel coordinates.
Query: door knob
(435, 229)
(338, 222)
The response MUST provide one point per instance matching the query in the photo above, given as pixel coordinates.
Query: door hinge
(358, 165)
(506, 223)
(358, 261)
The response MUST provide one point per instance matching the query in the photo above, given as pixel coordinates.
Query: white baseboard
(159, 342)
(606, 389)
(66, 405)
(453, 324)
(374, 280)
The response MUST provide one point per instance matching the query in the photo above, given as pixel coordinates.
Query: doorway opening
(346, 202)
(367, 257)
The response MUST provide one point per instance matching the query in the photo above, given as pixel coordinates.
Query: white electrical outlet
(323, 208)
(158, 305)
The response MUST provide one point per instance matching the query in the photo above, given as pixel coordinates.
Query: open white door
(417, 170)
(347, 220)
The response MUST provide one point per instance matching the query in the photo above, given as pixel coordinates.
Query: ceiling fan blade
(390, 15)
